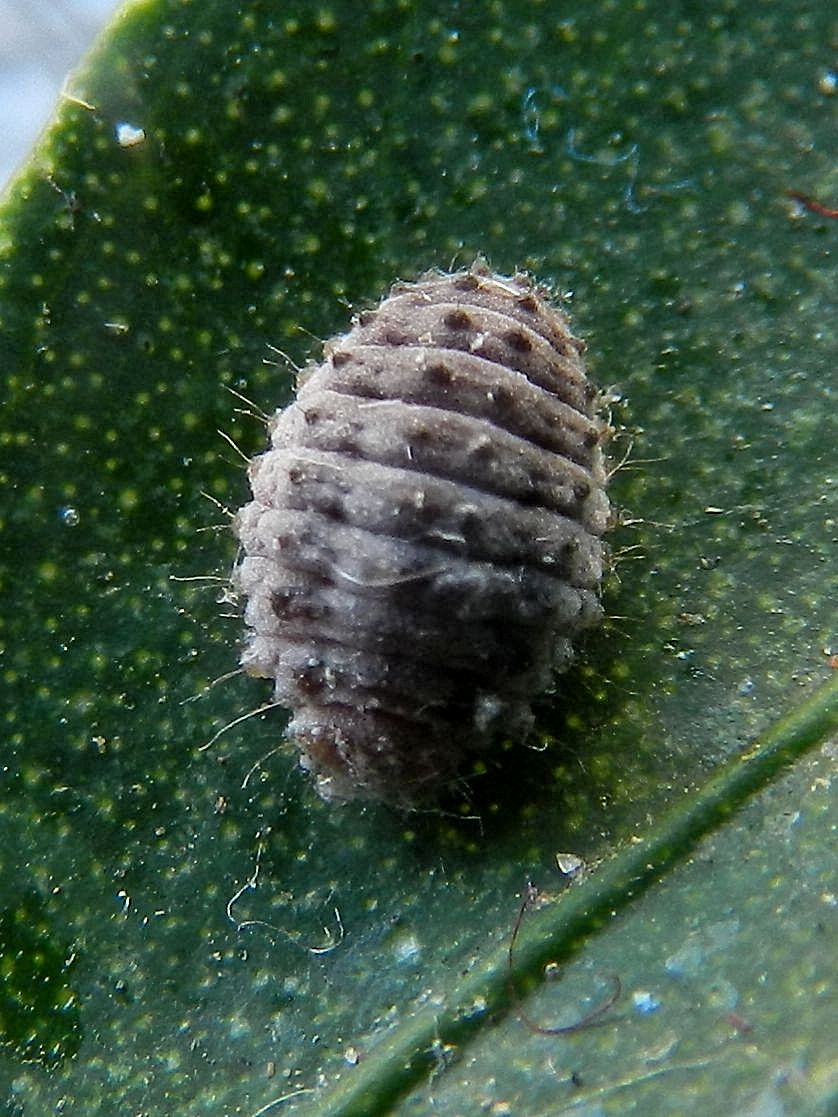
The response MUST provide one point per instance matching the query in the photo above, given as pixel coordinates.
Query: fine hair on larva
(423, 540)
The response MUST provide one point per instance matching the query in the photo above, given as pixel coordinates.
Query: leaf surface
(222, 186)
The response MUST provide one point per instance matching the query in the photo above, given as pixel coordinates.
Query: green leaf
(566, 926)
(223, 185)
(39, 1015)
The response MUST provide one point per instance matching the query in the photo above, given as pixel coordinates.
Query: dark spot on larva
(438, 374)
(527, 303)
(483, 451)
(333, 508)
(394, 336)
(518, 340)
(280, 600)
(366, 386)
(426, 576)
(311, 679)
(457, 320)
(294, 605)
(470, 524)
(502, 398)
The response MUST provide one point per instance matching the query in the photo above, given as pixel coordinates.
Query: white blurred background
(40, 42)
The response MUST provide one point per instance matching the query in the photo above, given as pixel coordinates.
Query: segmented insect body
(424, 538)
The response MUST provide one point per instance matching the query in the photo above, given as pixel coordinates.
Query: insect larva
(424, 538)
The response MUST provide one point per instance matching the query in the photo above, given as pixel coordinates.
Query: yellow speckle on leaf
(128, 500)
(48, 571)
(326, 21)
